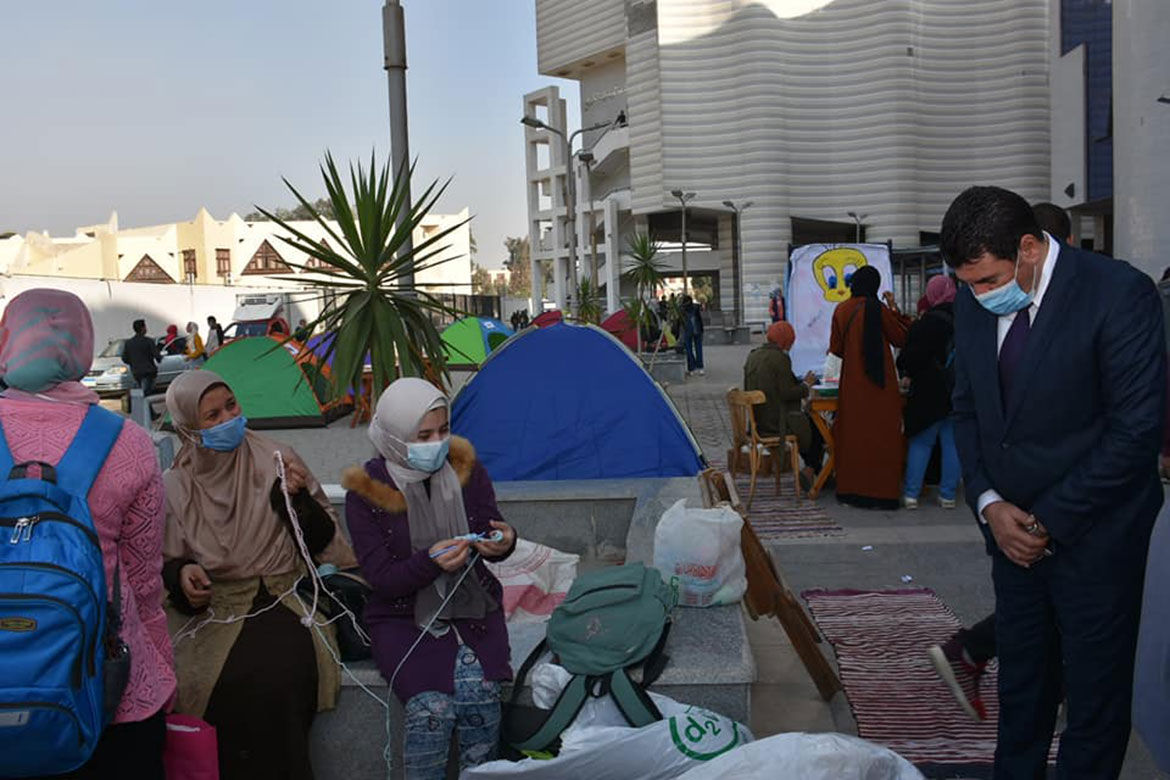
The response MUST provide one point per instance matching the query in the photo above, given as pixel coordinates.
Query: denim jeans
(694, 346)
(431, 717)
(918, 458)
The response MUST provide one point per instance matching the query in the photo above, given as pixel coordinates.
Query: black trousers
(1072, 619)
(146, 382)
(127, 751)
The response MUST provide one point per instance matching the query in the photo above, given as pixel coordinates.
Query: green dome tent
(270, 385)
(470, 340)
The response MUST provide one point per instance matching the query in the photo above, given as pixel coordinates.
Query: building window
(702, 229)
(266, 261)
(190, 271)
(316, 263)
(223, 262)
(148, 271)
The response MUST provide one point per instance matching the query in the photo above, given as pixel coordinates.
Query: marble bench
(606, 522)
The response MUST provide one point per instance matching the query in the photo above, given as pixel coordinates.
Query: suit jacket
(1076, 444)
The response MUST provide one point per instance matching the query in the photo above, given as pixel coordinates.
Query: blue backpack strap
(87, 453)
(6, 463)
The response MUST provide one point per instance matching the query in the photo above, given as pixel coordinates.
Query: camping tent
(272, 389)
(470, 340)
(546, 318)
(622, 327)
(571, 402)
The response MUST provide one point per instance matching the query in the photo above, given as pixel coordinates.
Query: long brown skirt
(263, 703)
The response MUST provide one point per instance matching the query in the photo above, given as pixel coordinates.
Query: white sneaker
(946, 503)
(910, 503)
(702, 372)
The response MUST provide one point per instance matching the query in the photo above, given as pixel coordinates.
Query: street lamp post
(857, 219)
(737, 260)
(394, 61)
(570, 195)
(683, 199)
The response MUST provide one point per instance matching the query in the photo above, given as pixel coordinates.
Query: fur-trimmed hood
(380, 494)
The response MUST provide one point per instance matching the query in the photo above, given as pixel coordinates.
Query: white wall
(115, 305)
(1141, 133)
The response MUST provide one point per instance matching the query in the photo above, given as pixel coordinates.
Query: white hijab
(431, 518)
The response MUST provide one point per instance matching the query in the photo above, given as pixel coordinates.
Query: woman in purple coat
(435, 616)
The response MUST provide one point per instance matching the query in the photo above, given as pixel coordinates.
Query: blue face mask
(1009, 298)
(226, 436)
(428, 456)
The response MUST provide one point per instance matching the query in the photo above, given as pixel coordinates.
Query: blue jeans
(431, 717)
(918, 457)
(693, 342)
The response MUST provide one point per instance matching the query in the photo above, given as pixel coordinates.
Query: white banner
(818, 281)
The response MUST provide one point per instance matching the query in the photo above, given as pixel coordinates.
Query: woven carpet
(898, 700)
(783, 516)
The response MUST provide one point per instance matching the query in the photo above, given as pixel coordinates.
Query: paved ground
(940, 549)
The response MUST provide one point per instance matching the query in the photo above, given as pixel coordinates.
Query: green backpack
(612, 620)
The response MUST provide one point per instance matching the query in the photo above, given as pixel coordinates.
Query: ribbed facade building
(807, 109)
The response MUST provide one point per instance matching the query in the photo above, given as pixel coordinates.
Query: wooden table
(822, 409)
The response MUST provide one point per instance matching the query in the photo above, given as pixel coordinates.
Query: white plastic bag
(831, 374)
(807, 757)
(535, 579)
(685, 738)
(699, 551)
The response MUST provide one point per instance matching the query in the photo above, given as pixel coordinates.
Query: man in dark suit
(1058, 404)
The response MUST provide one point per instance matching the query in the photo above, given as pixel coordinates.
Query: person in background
(870, 446)
(1059, 403)
(230, 550)
(46, 347)
(171, 343)
(927, 361)
(692, 327)
(214, 335)
(775, 305)
(769, 369)
(195, 350)
(142, 355)
(301, 334)
(962, 660)
(444, 658)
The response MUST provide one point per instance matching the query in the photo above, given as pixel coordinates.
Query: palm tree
(588, 303)
(645, 270)
(376, 316)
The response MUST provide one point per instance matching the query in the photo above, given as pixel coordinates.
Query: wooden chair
(746, 440)
(767, 593)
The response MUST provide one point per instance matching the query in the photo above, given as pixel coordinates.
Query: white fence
(115, 305)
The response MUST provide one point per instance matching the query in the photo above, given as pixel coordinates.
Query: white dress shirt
(1004, 324)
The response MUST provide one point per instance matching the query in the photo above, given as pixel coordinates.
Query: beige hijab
(218, 502)
(434, 517)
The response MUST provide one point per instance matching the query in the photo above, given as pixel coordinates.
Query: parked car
(109, 376)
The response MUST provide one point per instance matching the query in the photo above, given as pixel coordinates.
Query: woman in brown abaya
(869, 446)
(230, 552)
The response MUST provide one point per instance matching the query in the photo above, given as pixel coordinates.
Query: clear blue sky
(157, 108)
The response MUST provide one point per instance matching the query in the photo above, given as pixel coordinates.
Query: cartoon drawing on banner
(818, 282)
(833, 270)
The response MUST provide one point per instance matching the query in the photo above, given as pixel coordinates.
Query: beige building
(208, 251)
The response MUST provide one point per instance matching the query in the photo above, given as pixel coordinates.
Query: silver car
(109, 376)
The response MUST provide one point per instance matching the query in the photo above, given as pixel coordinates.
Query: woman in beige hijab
(230, 552)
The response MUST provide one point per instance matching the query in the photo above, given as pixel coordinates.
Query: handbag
(347, 587)
(192, 749)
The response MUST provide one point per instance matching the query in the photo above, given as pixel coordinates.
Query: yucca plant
(377, 314)
(588, 302)
(645, 270)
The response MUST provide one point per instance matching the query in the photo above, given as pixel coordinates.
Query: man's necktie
(1012, 352)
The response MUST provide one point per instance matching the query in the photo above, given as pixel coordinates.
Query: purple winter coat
(378, 523)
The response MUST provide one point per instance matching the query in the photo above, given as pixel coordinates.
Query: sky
(154, 109)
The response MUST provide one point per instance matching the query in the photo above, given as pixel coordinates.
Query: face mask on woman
(428, 456)
(226, 436)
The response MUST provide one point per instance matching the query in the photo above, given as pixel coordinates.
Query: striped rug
(898, 700)
(775, 517)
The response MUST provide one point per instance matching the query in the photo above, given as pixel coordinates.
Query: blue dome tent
(572, 402)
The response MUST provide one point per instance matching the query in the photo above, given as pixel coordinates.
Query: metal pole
(571, 222)
(735, 263)
(684, 246)
(394, 53)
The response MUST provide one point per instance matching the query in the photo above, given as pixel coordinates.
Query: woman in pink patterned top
(46, 346)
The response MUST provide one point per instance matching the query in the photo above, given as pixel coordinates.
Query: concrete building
(205, 251)
(809, 109)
